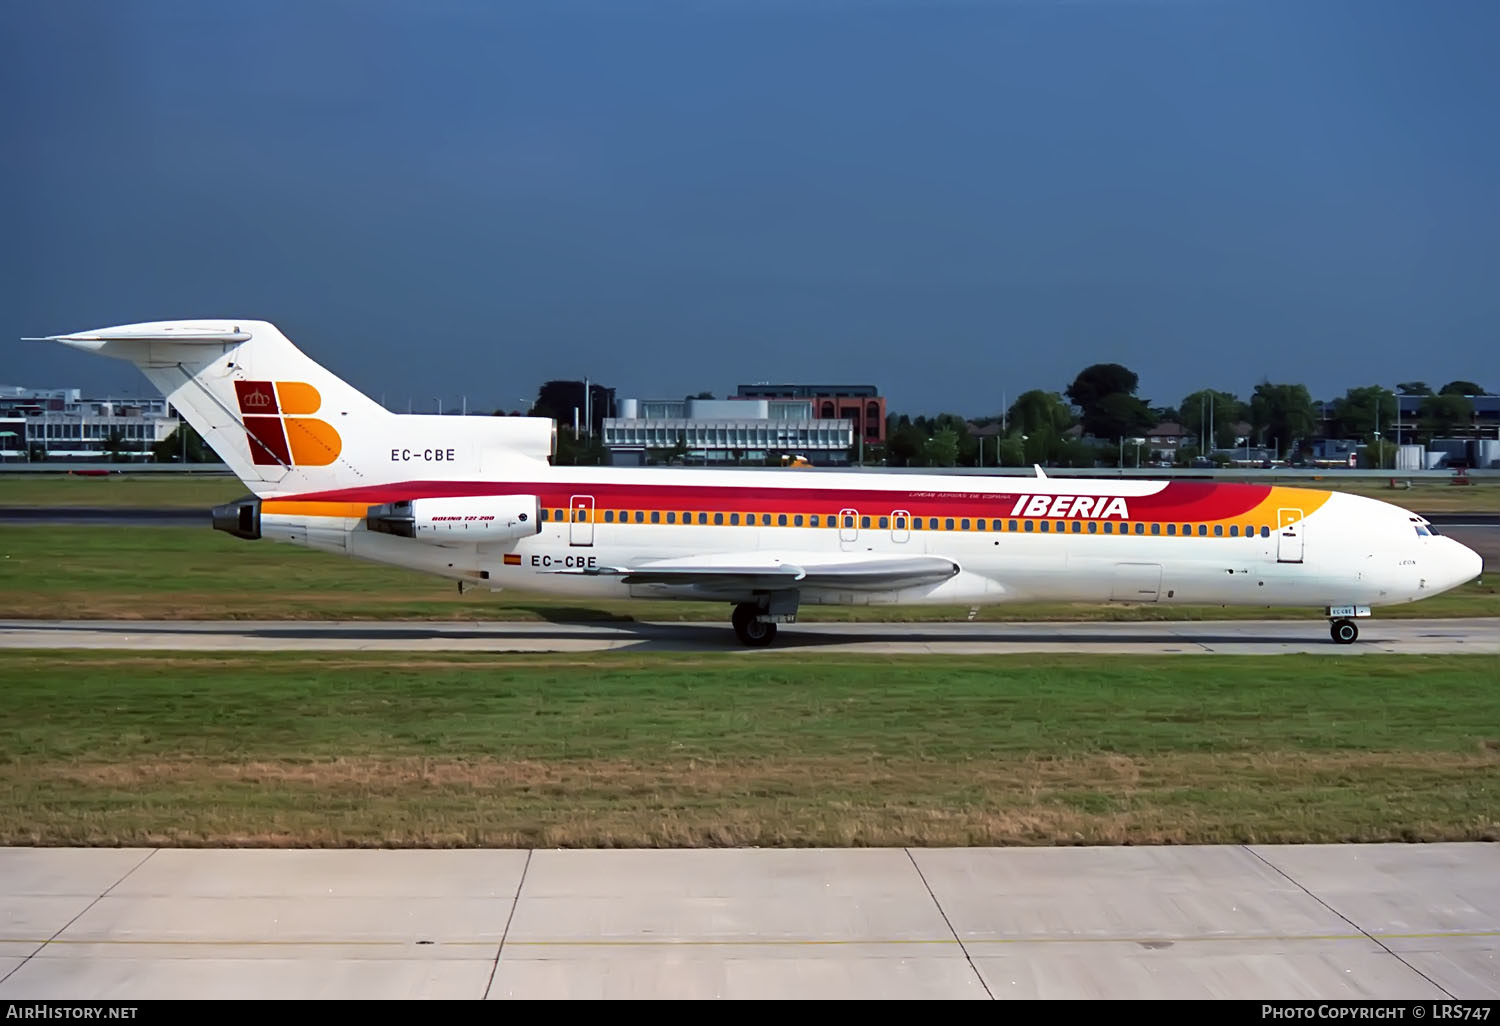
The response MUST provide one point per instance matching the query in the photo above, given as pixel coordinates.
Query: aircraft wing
(759, 572)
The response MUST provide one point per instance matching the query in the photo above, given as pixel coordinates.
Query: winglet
(1038, 468)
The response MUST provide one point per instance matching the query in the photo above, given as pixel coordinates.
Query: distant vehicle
(476, 500)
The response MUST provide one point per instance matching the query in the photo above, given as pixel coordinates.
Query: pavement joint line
(43, 945)
(939, 906)
(1361, 929)
(764, 942)
(514, 901)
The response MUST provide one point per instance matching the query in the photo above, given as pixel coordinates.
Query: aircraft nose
(1466, 564)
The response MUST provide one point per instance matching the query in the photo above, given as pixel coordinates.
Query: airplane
(478, 500)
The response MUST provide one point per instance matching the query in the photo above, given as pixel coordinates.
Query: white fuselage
(1013, 538)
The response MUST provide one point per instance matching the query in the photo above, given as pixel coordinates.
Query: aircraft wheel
(751, 631)
(1344, 631)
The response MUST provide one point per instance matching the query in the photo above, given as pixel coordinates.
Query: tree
(1224, 408)
(904, 444)
(1012, 453)
(558, 400)
(1442, 413)
(1282, 414)
(1359, 412)
(170, 449)
(1118, 416)
(1105, 392)
(1379, 455)
(1095, 382)
(1461, 388)
(941, 450)
(1037, 411)
(1413, 388)
(114, 445)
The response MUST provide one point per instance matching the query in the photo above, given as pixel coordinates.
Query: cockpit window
(1433, 531)
(1422, 531)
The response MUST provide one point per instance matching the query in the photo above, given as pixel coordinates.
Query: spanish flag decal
(511, 559)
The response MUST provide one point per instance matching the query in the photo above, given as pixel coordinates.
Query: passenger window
(813, 518)
(557, 514)
(979, 524)
(1156, 529)
(994, 525)
(734, 520)
(1061, 527)
(609, 516)
(1265, 532)
(863, 522)
(1028, 525)
(1093, 527)
(1140, 528)
(640, 516)
(545, 513)
(1077, 526)
(1218, 530)
(1202, 530)
(883, 522)
(1045, 526)
(848, 521)
(1172, 529)
(702, 518)
(656, 516)
(797, 519)
(948, 524)
(1109, 528)
(1234, 530)
(932, 523)
(1012, 525)
(672, 517)
(781, 520)
(964, 523)
(718, 518)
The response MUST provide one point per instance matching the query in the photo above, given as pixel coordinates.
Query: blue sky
(952, 201)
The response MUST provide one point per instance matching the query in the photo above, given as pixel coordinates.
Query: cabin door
(1289, 536)
(581, 520)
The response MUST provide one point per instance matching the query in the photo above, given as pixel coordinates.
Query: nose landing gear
(1343, 631)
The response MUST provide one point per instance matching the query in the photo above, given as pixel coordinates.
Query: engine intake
(472, 518)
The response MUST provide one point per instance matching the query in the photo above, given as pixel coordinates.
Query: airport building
(751, 431)
(58, 424)
(861, 405)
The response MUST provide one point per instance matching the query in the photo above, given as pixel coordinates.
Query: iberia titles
(1097, 507)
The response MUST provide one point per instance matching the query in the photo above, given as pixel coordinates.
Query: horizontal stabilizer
(151, 333)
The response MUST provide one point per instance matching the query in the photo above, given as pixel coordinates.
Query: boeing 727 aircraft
(477, 500)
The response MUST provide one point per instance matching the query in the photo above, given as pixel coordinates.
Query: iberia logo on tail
(279, 431)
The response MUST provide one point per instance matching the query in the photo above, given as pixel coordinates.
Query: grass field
(106, 748)
(169, 491)
(158, 573)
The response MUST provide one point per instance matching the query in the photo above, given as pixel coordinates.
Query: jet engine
(470, 518)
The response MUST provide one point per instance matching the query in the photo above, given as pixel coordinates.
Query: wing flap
(814, 572)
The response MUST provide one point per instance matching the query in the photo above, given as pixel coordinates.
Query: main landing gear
(1343, 631)
(752, 631)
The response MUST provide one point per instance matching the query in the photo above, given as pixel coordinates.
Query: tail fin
(286, 426)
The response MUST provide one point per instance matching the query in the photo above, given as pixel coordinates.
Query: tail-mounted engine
(475, 518)
(240, 518)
